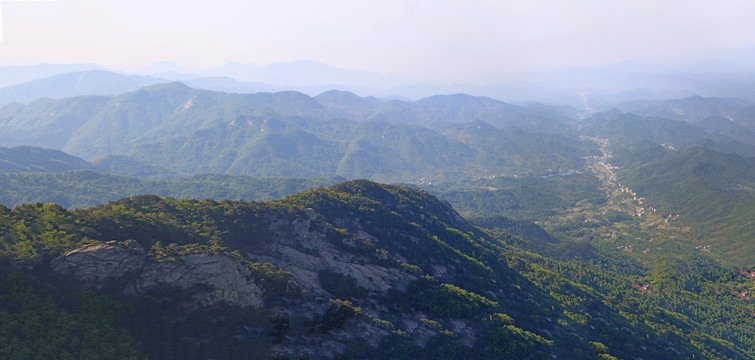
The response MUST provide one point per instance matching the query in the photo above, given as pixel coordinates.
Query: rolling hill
(711, 192)
(442, 110)
(630, 131)
(91, 82)
(189, 131)
(87, 188)
(32, 159)
(691, 109)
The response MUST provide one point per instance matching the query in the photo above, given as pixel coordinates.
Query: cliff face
(211, 279)
(299, 244)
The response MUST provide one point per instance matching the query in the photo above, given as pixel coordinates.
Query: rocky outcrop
(209, 278)
(100, 264)
(299, 246)
(224, 278)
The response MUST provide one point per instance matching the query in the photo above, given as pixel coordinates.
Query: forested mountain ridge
(173, 128)
(610, 236)
(449, 109)
(86, 188)
(176, 128)
(389, 272)
(109, 124)
(167, 110)
(442, 110)
(90, 82)
(710, 192)
(693, 109)
(47, 123)
(631, 132)
(32, 159)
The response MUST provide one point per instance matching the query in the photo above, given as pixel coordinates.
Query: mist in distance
(513, 51)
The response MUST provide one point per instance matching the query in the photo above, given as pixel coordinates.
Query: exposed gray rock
(98, 264)
(212, 278)
(226, 279)
(299, 247)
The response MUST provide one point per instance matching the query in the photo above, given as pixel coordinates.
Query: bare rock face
(220, 278)
(298, 247)
(99, 264)
(211, 279)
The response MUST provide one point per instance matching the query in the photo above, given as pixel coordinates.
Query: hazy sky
(454, 40)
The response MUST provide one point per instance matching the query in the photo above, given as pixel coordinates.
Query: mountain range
(91, 82)
(185, 214)
(585, 87)
(282, 134)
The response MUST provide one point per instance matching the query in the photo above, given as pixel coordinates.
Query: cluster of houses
(670, 218)
(629, 248)
(744, 294)
(741, 294)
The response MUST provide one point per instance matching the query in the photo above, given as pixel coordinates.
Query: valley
(626, 221)
(265, 224)
(403, 180)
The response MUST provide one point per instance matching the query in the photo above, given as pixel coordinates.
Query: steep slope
(268, 144)
(392, 152)
(95, 126)
(442, 110)
(86, 188)
(163, 111)
(526, 197)
(128, 166)
(190, 131)
(630, 131)
(709, 191)
(728, 128)
(92, 82)
(691, 109)
(746, 117)
(534, 151)
(262, 144)
(32, 159)
(47, 123)
(348, 105)
(14, 75)
(389, 272)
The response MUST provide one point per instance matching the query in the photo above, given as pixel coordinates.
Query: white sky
(450, 40)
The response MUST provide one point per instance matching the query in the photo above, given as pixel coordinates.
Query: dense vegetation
(170, 129)
(31, 159)
(630, 131)
(86, 188)
(530, 197)
(711, 192)
(613, 236)
(578, 301)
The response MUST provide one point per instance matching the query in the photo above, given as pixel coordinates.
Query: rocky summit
(357, 270)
